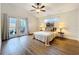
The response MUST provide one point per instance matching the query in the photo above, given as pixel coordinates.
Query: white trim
(72, 37)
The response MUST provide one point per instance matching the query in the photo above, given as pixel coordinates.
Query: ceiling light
(37, 10)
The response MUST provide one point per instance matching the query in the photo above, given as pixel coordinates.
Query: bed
(45, 36)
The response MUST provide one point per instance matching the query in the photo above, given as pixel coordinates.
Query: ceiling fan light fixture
(38, 7)
(37, 10)
(38, 4)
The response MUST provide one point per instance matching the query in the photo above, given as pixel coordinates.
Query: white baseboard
(72, 37)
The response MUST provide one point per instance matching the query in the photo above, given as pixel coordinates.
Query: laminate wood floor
(26, 45)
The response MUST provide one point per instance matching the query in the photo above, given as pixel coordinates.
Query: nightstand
(61, 34)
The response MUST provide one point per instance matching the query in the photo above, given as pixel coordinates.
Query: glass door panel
(12, 27)
(23, 26)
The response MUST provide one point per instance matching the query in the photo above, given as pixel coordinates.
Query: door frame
(17, 27)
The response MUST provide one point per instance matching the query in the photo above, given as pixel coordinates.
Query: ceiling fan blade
(43, 10)
(42, 6)
(33, 6)
(32, 10)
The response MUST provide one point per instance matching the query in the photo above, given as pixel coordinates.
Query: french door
(17, 27)
(23, 27)
(12, 27)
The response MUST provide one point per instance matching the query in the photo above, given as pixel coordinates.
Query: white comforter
(45, 36)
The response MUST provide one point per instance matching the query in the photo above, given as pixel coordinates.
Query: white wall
(71, 20)
(14, 11)
(78, 23)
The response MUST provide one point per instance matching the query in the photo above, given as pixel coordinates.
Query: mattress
(45, 36)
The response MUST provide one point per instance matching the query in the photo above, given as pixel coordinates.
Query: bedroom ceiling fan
(38, 7)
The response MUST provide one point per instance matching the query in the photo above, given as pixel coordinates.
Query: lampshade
(42, 26)
(61, 25)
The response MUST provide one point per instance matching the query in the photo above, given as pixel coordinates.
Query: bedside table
(61, 34)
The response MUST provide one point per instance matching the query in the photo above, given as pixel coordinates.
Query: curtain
(4, 26)
(0, 34)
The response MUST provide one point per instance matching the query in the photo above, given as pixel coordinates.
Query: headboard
(50, 27)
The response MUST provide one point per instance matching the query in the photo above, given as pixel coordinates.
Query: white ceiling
(51, 8)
